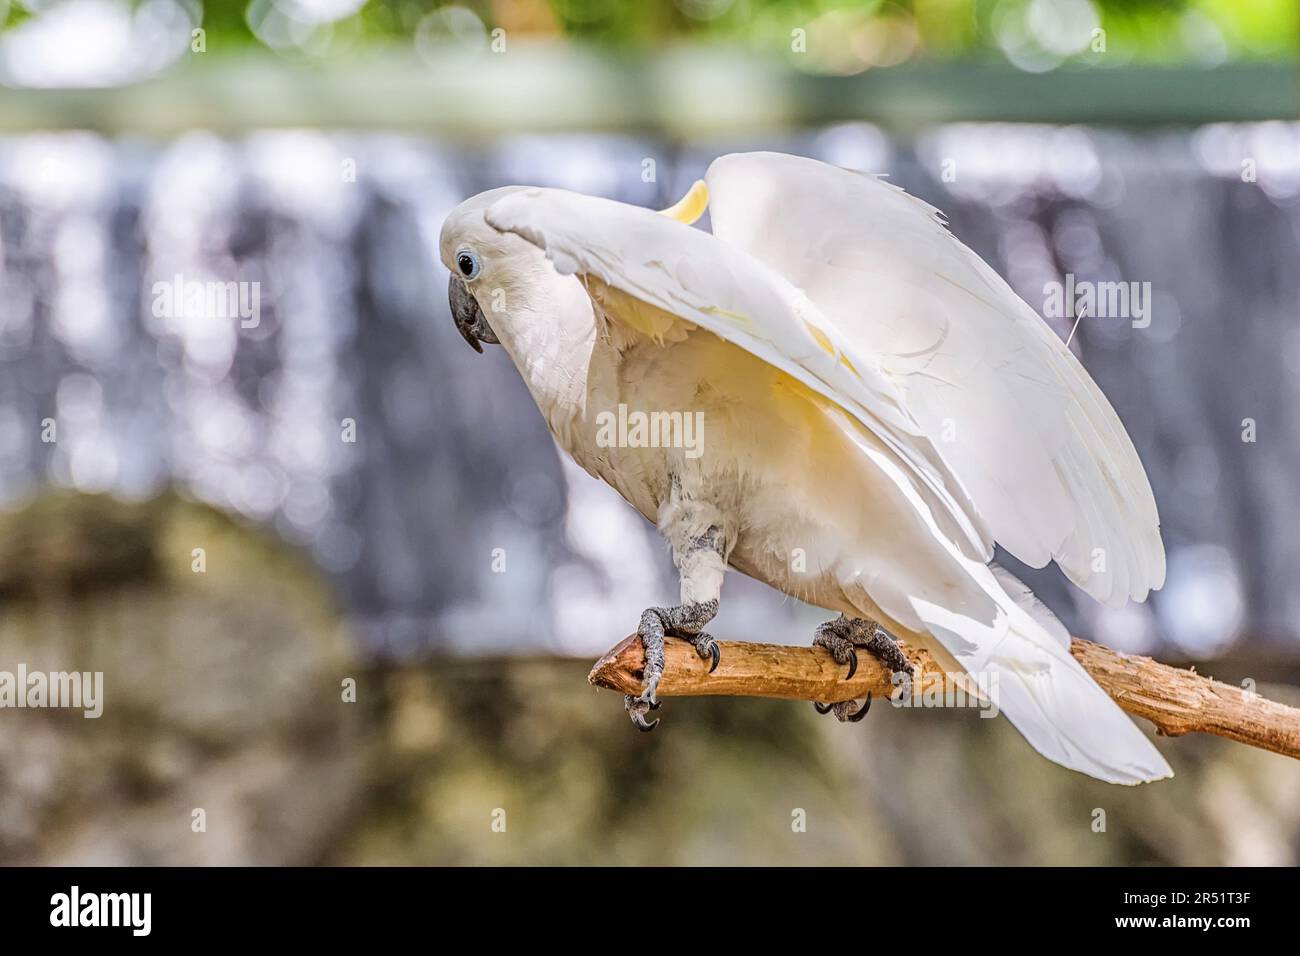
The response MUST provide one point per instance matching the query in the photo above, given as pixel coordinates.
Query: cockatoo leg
(684, 620)
(841, 637)
(695, 532)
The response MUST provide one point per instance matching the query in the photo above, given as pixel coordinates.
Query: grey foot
(841, 637)
(685, 621)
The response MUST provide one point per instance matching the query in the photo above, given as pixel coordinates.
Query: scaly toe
(861, 712)
(637, 708)
(706, 646)
(832, 636)
(845, 711)
(889, 653)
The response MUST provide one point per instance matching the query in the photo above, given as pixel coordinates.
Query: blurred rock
(725, 780)
(221, 690)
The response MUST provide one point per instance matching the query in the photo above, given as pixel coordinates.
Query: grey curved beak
(468, 317)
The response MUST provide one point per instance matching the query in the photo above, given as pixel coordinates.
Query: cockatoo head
(492, 273)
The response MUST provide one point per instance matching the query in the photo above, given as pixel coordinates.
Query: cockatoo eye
(467, 261)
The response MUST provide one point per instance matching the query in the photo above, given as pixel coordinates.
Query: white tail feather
(1019, 592)
(1044, 691)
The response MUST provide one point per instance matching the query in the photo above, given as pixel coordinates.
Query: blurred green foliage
(1035, 34)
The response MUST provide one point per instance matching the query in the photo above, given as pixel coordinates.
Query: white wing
(691, 275)
(1036, 445)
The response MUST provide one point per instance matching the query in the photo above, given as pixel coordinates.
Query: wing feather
(1040, 451)
(690, 274)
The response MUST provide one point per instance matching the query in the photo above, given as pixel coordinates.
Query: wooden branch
(1176, 701)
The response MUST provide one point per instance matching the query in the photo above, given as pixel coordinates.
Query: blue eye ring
(468, 263)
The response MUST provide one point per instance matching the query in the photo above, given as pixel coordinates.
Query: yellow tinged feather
(691, 206)
(649, 320)
(820, 337)
(810, 412)
(742, 320)
(829, 348)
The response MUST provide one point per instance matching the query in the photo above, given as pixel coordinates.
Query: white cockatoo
(873, 398)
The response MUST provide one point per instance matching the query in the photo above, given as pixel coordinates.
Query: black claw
(853, 664)
(717, 656)
(861, 711)
(655, 705)
(822, 708)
